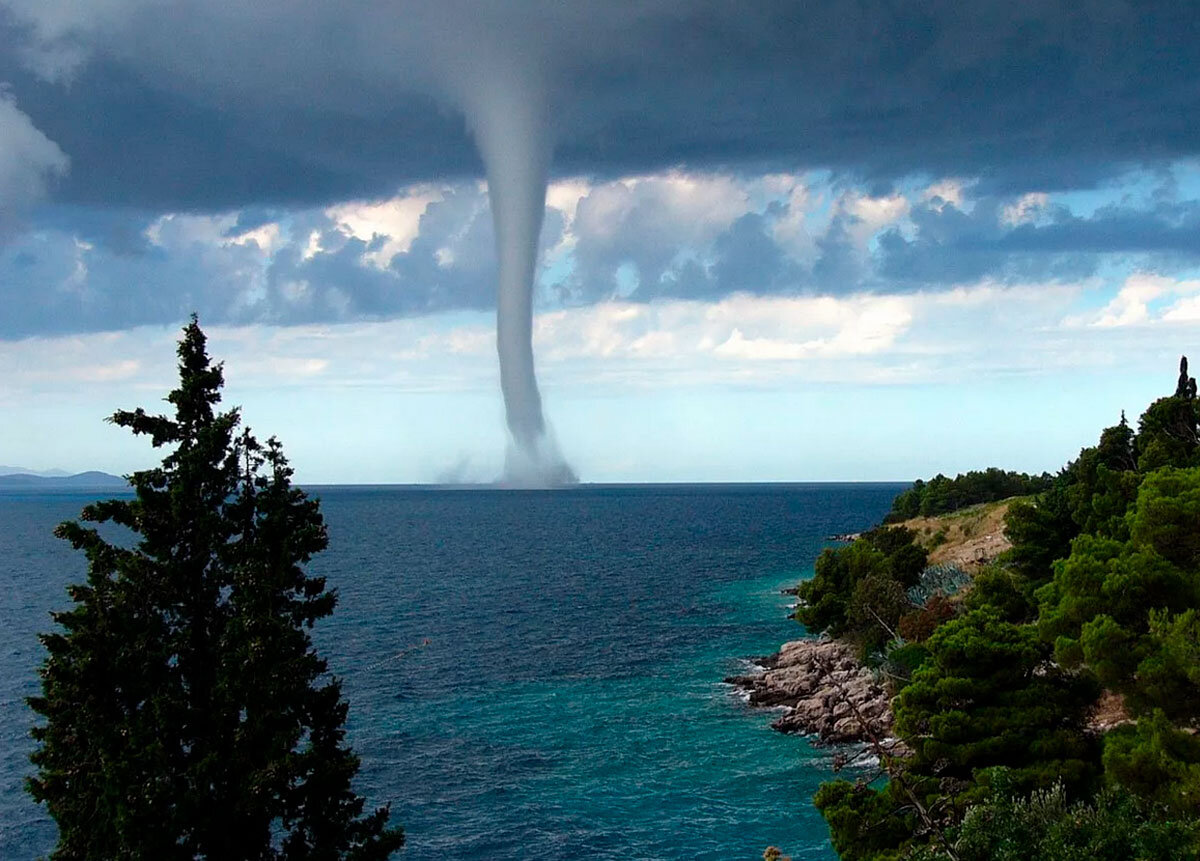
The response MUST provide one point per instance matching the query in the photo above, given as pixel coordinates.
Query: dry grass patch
(968, 538)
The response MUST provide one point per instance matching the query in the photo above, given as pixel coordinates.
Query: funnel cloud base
(537, 466)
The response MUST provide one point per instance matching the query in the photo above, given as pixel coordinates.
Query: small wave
(742, 695)
(871, 761)
(749, 667)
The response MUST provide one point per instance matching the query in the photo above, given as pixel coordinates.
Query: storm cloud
(286, 163)
(212, 105)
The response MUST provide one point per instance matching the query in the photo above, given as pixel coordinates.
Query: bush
(1005, 591)
(945, 580)
(1046, 825)
(875, 608)
(919, 625)
(902, 661)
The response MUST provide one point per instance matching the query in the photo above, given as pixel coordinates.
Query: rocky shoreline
(826, 691)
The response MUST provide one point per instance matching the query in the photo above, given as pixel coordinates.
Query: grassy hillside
(967, 538)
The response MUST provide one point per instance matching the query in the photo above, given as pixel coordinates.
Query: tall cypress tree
(186, 711)
(1186, 388)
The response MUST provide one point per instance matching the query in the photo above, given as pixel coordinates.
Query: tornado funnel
(510, 131)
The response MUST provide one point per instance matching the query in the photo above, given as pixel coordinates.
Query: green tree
(1167, 516)
(1157, 761)
(186, 711)
(1101, 607)
(1127, 609)
(1168, 433)
(941, 495)
(986, 697)
(824, 600)
(858, 592)
(1005, 591)
(865, 823)
(1040, 532)
(907, 504)
(1090, 495)
(1159, 758)
(1117, 449)
(989, 696)
(1186, 387)
(874, 611)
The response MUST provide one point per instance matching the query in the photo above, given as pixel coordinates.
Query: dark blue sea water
(569, 702)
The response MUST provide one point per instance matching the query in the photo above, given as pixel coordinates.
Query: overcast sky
(865, 241)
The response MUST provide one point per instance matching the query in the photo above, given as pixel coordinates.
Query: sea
(531, 674)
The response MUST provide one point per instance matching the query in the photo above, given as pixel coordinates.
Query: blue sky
(848, 243)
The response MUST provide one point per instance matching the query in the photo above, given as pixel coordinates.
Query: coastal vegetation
(941, 495)
(859, 591)
(185, 711)
(1046, 705)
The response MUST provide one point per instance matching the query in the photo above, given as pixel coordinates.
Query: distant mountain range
(57, 479)
(47, 473)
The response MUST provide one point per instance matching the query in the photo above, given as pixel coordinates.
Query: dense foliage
(988, 696)
(985, 697)
(860, 590)
(866, 823)
(1045, 824)
(941, 495)
(1126, 608)
(186, 713)
(1100, 591)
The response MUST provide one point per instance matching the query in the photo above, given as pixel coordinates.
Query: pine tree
(988, 696)
(186, 711)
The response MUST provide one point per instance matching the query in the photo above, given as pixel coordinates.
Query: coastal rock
(825, 690)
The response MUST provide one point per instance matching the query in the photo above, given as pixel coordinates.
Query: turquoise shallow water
(569, 701)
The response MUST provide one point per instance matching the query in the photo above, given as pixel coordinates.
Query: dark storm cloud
(127, 109)
(213, 105)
